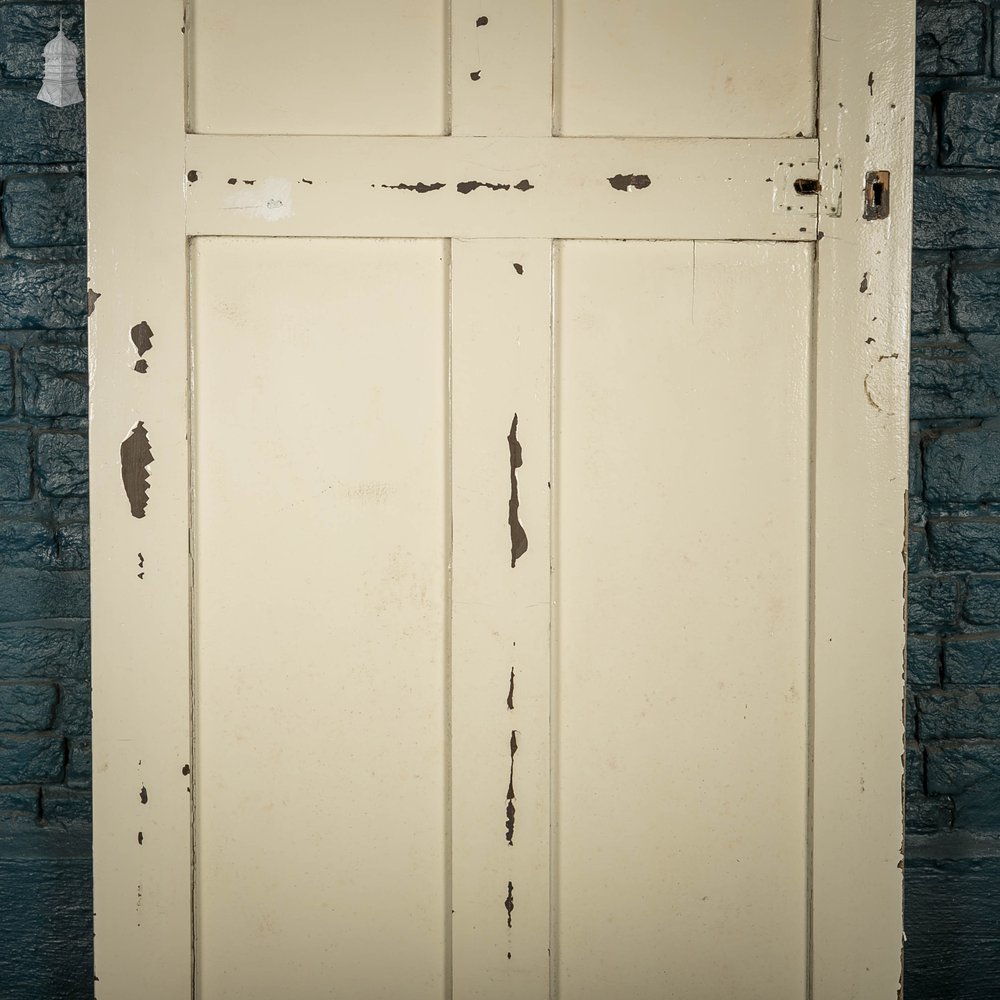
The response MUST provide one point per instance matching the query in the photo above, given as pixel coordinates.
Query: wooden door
(498, 469)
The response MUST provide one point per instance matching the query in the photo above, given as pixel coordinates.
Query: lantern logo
(59, 85)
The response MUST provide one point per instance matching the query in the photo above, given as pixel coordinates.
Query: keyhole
(877, 195)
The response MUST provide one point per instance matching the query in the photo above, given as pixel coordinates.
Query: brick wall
(953, 753)
(45, 876)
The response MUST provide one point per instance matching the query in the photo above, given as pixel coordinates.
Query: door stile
(139, 501)
(860, 455)
(501, 85)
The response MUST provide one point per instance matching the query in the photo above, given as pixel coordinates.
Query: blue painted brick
(45, 210)
(965, 543)
(27, 543)
(972, 660)
(80, 764)
(54, 381)
(6, 382)
(974, 300)
(918, 555)
(37, 757)
(43, 133)
(74, 546)
(923, 132)
(970, 129)
(15, 465)
(927, 298)
(932, 603)
(73, 710)
(957, 212)
(27, 706)
(27, 594)
(969, 772)
(25, 29)
(37, 296)
(46, 925)
(923, 661)
(963, 467)
(950, 38)
(65, 806)
(954, 384)
(982, 600)
(965, 713)
(924, 813)
(62, 464)
(56, 649)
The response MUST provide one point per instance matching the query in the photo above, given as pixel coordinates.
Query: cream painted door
(498, 463)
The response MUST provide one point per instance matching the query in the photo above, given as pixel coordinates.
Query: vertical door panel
(320, 588)
(683, 581)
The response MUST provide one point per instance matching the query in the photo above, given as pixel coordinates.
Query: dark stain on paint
(622, 182)
(420, 187)
(518, 537)
(136, 457)
(509, 903)
(305, 180)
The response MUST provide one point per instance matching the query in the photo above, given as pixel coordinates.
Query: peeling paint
(475, 76)
(465, 187)
(142, 337)
(622, 182)
(143, 795)
(481, 22)
(141, 367)
(518, 537)
(420, 187)
(136, 457)
(519, 268)
(140, 838)
(186, 769)
(863, 287)
(192, 176)
(232, 180)
(510, 692)
(510, 791)
(509, 903)
(92, 298)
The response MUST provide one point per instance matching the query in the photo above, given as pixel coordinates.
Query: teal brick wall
(953, 752)
(46, 925)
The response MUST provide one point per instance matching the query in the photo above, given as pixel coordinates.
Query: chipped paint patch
(270, 199)
(623, 182)
(518, 537)
(136, 457)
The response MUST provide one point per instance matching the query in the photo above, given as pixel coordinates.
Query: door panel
(645, 67)
(370, 68)
(319, 593)
(683, 569)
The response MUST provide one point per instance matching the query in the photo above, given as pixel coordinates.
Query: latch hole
(807, 185)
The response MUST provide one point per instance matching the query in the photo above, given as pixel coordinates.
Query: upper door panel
(631, 68)
(307, 68)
